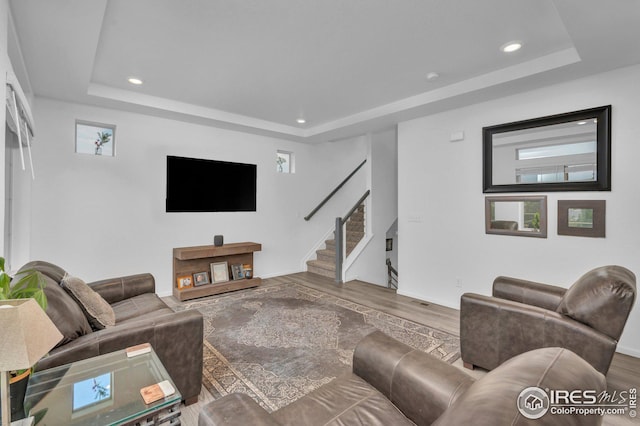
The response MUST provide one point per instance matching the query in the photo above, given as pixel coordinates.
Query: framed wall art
(582, 218)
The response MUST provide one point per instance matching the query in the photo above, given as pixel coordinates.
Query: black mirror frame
(603, 132)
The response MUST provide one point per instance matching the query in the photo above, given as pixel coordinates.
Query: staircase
(325, 263)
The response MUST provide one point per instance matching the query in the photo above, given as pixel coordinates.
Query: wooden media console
(192, 260)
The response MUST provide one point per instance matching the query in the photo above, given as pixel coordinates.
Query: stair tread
(326, 266)
(327, 252)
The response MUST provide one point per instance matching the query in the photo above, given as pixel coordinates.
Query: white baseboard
(628, 351)
(430, 300)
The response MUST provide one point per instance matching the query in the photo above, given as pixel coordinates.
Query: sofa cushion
(144, 305)
(346, 400)
(98, 312)
(65, 313)
(600, 297)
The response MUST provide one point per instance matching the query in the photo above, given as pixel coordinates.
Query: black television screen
(198, 185)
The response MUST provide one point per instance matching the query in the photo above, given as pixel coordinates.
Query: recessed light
(581, 123)
(134, 80)
(510, 47)
(301, 120)
(432, 75)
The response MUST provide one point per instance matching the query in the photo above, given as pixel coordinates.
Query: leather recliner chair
(140, 316)
(588, 318)
(394, 384)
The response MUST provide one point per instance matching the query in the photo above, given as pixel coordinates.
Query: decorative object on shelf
(200, 278)
(185, 281)
(218, 240)
(524, 216)
(582, 218)
(563, 152)
(27, 335)
(219, 272)
(247, 271)
(237, 271)
(95, 138)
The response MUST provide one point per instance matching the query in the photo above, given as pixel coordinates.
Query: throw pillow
(96, 309)
(64, 312)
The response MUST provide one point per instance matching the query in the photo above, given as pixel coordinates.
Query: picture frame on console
(219, 272)
(185, 281)
(237, 272)
(200, 278)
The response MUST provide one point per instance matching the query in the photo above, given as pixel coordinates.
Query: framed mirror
(564, 152)
(524, 216)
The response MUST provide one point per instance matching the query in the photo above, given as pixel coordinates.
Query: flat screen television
(199, 185)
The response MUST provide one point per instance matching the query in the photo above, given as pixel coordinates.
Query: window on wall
(95, 138)
(285, 162)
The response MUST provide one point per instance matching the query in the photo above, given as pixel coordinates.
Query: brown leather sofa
(140, 316)
(588, 318)
(393, 384)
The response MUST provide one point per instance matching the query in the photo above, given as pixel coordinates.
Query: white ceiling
(347, 66)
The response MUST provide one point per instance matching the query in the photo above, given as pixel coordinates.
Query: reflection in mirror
(524, 216)
(560, 153)
(557, 153)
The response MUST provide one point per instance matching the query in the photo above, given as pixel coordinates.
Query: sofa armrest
(117, 289)
(235, 409)
(493, 330)
(177, 339)
(420, 385)
(528, 292)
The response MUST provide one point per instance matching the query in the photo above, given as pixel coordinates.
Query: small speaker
(218, 240)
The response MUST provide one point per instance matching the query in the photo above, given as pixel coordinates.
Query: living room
(103, 216)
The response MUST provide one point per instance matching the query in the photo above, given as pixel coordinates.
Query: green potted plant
(28, 284)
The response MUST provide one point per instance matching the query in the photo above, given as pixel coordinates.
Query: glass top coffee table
(104, 390)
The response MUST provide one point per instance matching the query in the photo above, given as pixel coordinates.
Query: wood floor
(623, 374)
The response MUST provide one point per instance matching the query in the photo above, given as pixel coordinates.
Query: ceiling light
(581, 123)
(134, 80)
(301, 120)
(432, 75)
(512, 46)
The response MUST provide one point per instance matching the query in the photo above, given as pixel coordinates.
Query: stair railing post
(339, 249)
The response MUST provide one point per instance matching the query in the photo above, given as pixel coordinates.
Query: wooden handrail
(328, 197)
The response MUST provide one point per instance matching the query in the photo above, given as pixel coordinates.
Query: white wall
(370, 265)
(441, 204)
(4, 64)
(100, 216)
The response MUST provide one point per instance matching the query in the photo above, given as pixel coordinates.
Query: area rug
(279, 342)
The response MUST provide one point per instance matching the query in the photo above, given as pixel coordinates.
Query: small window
(95, 138)
(284, 162)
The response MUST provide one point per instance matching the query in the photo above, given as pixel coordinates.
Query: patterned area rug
(277, 343)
